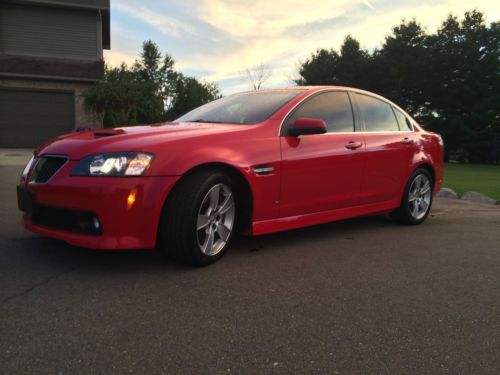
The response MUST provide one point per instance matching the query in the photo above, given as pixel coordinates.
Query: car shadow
(58, 253)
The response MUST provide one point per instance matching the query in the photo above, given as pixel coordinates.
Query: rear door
(389, 150)
(322, 172)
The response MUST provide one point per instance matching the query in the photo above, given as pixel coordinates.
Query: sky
(216, 40)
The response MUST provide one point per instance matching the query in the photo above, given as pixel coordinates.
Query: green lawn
(484, 179)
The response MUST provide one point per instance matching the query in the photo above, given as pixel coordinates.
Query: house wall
(27, 30)
(50, 53)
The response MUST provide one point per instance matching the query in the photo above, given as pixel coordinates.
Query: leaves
(148, 92)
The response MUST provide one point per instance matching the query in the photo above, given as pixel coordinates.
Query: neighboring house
(50, 52)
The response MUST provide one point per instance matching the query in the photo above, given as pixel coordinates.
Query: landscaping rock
(477, 197)
(447, 193)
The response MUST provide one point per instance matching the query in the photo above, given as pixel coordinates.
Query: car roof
(313, 89)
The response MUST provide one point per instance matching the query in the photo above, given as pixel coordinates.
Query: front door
(322, 172)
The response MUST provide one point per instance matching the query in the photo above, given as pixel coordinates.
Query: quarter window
(332, 107)
(404, 123)
(377, 115)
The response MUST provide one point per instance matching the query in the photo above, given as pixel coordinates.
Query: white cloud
(115, 57)
(162, 22)
(243, 33)
(268, 18)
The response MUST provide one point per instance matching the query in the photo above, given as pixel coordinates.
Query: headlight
(115, 164)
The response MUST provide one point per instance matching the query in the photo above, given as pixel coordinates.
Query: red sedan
(255, 162)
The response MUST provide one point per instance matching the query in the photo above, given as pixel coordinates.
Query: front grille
(46, 167)
(67, 220)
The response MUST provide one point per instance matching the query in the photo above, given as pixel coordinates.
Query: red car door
(389, 150)
(322, 172)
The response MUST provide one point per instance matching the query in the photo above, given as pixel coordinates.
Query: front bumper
(123, 226)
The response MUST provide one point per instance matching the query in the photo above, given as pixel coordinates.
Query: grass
(484, 179)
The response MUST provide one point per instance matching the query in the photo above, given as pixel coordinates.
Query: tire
(197, 222)
(417, 199)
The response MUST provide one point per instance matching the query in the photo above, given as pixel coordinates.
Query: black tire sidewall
(202, 182)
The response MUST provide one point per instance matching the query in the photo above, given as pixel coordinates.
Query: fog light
(87, 223)
(131, 199)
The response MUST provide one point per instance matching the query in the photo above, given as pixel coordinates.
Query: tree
(352, 65)
(150, 91)
(257, 75)
(406, 60)
(189, 94)
(122, 99)
(319, 69)
(466, 93)
(159, 69)
(329, 67)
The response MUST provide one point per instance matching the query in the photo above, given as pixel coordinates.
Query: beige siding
(49, 32)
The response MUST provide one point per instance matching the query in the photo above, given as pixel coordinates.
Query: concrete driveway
(359, 296)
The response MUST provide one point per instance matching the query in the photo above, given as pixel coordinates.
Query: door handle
(352, 145)
(406, 141)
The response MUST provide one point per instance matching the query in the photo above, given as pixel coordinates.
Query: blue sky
(216, 40)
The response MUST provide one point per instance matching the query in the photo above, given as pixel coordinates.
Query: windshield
(246, 108)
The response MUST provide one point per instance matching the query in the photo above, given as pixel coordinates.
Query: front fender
(179, 158)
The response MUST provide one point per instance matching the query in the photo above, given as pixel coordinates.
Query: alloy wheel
(215, 219)
(420, 196)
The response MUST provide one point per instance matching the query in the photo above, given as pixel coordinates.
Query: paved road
(360, 296)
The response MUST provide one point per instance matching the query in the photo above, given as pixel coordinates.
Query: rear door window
(376, 114)
(404, 123)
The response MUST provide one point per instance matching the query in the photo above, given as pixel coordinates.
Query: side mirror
(306, 126)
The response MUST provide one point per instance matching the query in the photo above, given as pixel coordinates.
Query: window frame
(410, 123)
(284, 128)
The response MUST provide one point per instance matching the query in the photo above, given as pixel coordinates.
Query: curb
(474, 196)
(470, 196)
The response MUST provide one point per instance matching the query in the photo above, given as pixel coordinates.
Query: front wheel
(417, 199)
(198, 219)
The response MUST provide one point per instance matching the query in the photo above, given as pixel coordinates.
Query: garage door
(29, 118)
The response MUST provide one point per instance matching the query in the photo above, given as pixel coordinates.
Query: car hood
(133, 138)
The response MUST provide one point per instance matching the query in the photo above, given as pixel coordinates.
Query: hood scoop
(108, 133)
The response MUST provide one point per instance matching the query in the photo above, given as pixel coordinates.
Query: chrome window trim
(39, 157)
(388, 132)
(363, 132)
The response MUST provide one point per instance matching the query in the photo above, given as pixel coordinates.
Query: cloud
(218, 39)
(368, 4)
(115, 57)
(267, 18)
(162, 22)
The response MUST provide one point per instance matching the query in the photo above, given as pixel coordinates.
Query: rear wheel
(198, 219)
(417, 198)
